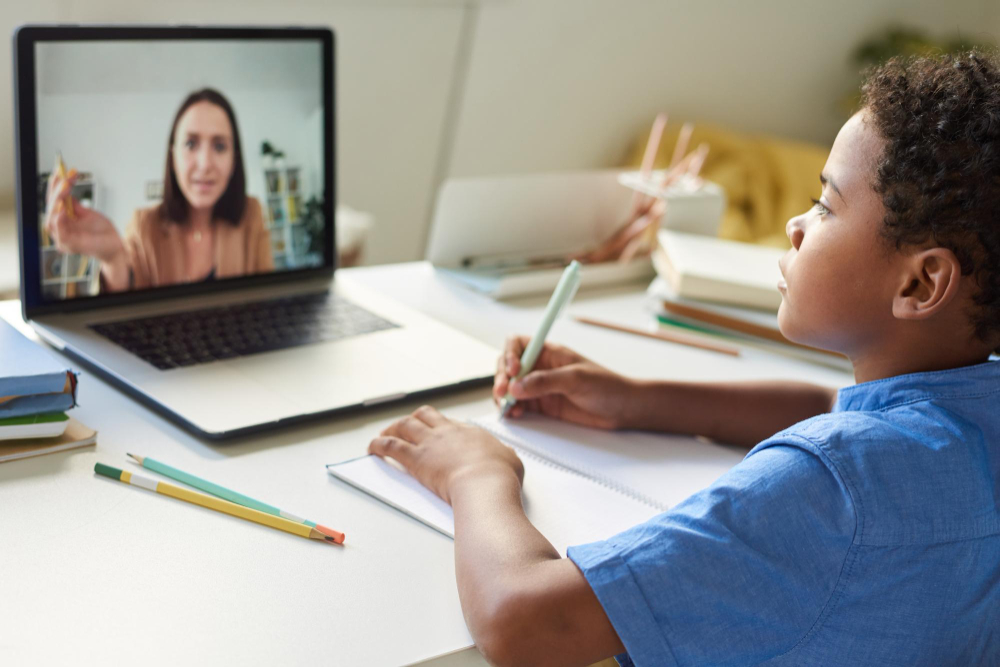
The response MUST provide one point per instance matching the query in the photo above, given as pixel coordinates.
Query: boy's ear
(930, 281)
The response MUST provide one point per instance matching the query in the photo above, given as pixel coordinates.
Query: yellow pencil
(61, 173)
(216, 504)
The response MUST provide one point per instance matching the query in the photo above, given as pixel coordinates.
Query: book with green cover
(46, 425)
(75, 435)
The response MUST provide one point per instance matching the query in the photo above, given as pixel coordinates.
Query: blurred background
(433, 89)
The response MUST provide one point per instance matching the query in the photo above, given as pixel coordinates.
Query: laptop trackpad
(341, 373)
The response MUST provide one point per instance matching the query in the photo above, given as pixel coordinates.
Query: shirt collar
(912, 387)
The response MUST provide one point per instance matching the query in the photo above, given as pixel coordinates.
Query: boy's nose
(795, 231)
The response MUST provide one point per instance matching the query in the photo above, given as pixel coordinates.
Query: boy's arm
(738, 413)
(568, 386)
(523, 603)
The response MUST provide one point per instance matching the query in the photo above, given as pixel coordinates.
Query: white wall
(431, 88)
(991, 18)
(559, 85)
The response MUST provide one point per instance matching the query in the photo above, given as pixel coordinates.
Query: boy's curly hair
(939, 174)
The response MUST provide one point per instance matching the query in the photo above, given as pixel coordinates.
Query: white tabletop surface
(93, 571)
(9, 262)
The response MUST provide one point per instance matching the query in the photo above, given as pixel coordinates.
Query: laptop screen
(169, 162)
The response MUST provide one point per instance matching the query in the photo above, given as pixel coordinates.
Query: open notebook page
(660, 469)
(566, 507)
(564, 496)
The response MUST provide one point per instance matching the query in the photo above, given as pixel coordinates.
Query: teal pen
(563, 294)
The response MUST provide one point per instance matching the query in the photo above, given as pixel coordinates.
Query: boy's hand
(439, 451)
(564, 385)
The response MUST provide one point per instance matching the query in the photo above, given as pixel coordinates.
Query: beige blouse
(155, 247)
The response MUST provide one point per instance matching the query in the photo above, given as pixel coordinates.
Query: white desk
(9, 260)
(93, 571)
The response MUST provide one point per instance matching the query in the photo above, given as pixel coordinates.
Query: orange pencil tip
(336, 536)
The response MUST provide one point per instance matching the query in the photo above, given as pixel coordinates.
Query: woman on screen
(206, 226)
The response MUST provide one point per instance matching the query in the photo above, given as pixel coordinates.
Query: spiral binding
(524, 448)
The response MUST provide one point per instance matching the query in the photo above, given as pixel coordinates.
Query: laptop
(176, 191)
(512, 235)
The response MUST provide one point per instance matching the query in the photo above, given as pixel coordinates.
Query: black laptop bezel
(24, 40)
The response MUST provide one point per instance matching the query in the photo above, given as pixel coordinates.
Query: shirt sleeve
(737, 573)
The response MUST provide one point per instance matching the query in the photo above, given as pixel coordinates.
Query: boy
(867, 530)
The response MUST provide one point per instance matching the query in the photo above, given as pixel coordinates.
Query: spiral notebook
(580, 485)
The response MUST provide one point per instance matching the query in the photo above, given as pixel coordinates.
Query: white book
(74, 435)
(45, 425)
(660, 291)
(580, 485)
(702, 267)
(504, 284)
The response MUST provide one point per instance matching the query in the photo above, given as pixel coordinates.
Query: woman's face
(203, 154)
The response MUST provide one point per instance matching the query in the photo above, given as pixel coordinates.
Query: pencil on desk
(680, 339)
(213, 503)
(733, 324)
(665, 320)
(229, 494)
(830, 361)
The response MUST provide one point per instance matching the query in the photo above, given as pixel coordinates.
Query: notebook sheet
(580, 485)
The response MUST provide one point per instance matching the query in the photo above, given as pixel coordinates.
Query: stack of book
(36, 391)
(719, 271)
(718, 287)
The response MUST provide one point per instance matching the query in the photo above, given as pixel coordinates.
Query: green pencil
(226, 494)
(680, 324)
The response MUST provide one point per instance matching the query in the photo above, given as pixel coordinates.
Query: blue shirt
(866, 536)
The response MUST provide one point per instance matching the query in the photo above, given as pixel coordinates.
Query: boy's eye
(220, 147)
(820, 208)
(191, 143)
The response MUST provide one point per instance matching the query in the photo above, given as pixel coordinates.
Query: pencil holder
(694, 205)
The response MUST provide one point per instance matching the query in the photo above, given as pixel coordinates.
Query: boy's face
(838, 287)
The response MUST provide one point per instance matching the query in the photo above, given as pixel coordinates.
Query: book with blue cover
(32, 380)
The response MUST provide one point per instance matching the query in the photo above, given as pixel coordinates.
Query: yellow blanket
(767, 180)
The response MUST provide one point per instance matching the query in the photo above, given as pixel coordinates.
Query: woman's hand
(75, 228)
(566, 386)
(439, 452)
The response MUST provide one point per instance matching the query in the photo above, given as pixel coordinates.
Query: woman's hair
(232, 202)
(939, 173)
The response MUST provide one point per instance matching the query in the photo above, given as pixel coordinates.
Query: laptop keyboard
(206, 335)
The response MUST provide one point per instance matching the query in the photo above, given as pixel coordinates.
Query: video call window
(168, 162)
